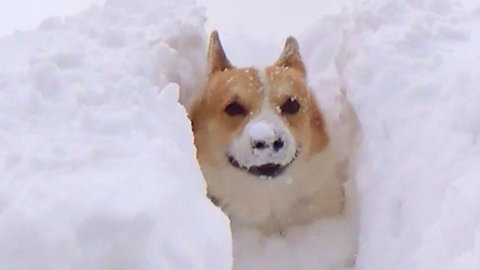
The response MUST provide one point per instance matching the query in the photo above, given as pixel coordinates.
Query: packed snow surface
(98, 165)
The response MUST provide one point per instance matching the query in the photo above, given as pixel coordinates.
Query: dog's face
(258, 123)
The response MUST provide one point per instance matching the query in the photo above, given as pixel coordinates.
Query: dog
(262, 143)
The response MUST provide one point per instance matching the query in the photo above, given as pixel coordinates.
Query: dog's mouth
(267, 170)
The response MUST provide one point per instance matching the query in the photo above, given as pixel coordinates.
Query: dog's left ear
(217, 60)
(291, 57)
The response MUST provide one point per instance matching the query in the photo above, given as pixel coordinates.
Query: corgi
(262, 143)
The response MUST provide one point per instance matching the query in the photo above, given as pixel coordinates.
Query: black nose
(259, 145)
(276, 145)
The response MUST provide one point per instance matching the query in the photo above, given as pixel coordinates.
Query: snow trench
(97, 161)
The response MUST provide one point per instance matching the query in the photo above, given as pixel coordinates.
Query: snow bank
(412, 82)
(98, 167)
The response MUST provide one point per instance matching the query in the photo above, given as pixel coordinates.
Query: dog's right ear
(217, 60)
(291, 57)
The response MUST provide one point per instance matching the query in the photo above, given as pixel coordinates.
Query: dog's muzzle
(268, 170)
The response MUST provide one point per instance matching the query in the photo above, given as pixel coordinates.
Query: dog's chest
(311, 190)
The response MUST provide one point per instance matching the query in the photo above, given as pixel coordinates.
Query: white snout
(265, 139)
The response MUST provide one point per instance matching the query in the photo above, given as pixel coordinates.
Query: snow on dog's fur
(262, 143)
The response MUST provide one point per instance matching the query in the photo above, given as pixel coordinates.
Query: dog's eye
(291, 106)
(235, 108)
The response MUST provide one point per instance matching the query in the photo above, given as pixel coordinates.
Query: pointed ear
(290, 56)
(217, 60)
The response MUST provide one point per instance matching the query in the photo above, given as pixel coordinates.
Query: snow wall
(98, 167)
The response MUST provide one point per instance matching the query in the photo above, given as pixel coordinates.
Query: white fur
(267, 126)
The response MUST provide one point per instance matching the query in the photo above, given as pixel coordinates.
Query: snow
(261, 130)
(27, 14)
(98, 164)
(418, 99)
(323, 245)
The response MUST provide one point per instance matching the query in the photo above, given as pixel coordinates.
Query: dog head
(258, 123)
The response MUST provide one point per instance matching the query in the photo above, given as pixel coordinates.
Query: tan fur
(311, 189)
